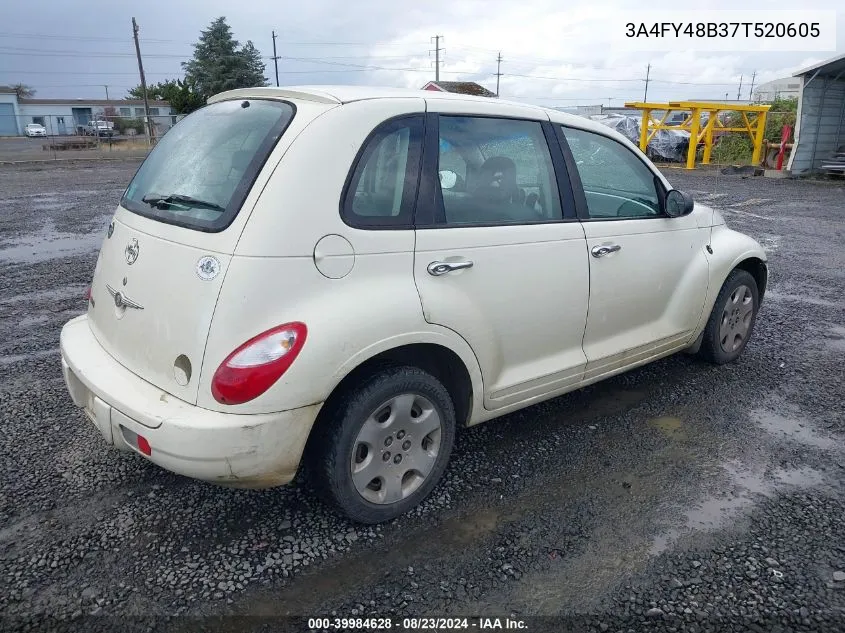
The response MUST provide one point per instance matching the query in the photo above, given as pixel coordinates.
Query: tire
(729, 328)
(366, 430)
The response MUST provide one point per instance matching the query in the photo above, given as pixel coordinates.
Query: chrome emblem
(208, 268)
(132, 251)
(111, 229)
(121, 300)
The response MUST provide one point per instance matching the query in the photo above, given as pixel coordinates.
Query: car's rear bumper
(254, 451)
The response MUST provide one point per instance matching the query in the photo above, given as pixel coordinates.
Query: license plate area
(100, 414)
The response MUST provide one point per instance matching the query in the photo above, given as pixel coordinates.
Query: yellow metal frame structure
(753, 118)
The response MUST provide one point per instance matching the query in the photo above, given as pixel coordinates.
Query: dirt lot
(677, 497)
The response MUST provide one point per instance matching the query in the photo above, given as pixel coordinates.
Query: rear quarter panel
(272, 278)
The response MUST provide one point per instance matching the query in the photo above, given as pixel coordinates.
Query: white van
(341, 277)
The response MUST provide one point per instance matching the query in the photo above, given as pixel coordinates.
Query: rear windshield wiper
(155, 200)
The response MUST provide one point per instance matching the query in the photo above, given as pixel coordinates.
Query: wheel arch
(758, 269)
(439, 360)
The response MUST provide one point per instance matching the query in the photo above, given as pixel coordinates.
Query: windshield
(200, 172)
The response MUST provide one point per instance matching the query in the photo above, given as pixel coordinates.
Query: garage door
(8, 125)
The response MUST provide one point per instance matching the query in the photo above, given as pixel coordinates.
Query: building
(820, 121)
(787, 88)
(68, 116)
(459, 87)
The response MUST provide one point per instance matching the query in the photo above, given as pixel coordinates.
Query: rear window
(200, 172)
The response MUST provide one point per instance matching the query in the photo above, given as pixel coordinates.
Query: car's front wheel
(384, 444)
(732, 320)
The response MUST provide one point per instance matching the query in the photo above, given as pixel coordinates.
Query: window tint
(383, 186)
(496, 171)
(617, 184)
(199, 173)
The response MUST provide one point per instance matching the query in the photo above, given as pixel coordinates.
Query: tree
(182, 98)
(23, 91)
(254, 67)
(219, 63)
(138, 92)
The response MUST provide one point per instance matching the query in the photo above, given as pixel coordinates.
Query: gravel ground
(677, 497)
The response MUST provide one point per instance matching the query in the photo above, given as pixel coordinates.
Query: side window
(496, 171)
(617, 184)
(383, 186)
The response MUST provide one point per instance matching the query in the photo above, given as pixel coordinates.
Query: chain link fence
(64, 136)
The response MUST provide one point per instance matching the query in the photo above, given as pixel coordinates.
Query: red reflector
(144, 445)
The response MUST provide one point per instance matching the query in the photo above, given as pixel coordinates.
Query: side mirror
(678, 203)
(448, 179)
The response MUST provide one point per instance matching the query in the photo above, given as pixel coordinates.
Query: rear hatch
(163, 262)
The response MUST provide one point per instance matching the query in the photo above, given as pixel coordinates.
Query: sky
(554, 53)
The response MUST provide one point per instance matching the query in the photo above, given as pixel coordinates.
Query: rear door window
(200, 172)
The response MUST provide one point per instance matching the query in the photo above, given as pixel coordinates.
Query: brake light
(256, 365)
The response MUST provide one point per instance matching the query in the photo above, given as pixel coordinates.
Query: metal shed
(820, 126)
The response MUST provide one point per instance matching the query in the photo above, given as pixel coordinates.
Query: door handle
(601, 251)
(441, 268)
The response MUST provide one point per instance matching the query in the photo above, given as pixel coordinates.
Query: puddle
(667, 425)
(33, 320)
(53, 294)
(835, 338)
(48, 243)
(791, 429)
(783, 296)
(11, 359)
(751, 202)
(742, 488)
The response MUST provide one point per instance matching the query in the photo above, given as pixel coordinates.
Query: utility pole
(275, 59)
(143, 80)
(107, 92)
(437, 39)
(726, 96)
(739, 92)
(647, 73)
(751, 92)
(498, 71)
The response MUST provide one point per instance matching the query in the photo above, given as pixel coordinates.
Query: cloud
(554, 53)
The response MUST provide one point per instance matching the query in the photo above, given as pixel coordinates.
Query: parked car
(98, 128)
(341, 277)
(34, 129)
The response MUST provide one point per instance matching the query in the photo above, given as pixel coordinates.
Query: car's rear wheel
(732, 320)
(384, 444)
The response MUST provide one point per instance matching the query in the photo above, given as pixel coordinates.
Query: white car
(341, 277)
(34, 129)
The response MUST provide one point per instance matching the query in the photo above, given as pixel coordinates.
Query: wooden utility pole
(739, 92)
(275, 59)
(498, 71)
(647, 73)
(143, 81)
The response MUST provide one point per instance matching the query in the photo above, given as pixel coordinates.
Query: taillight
(253, 367)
